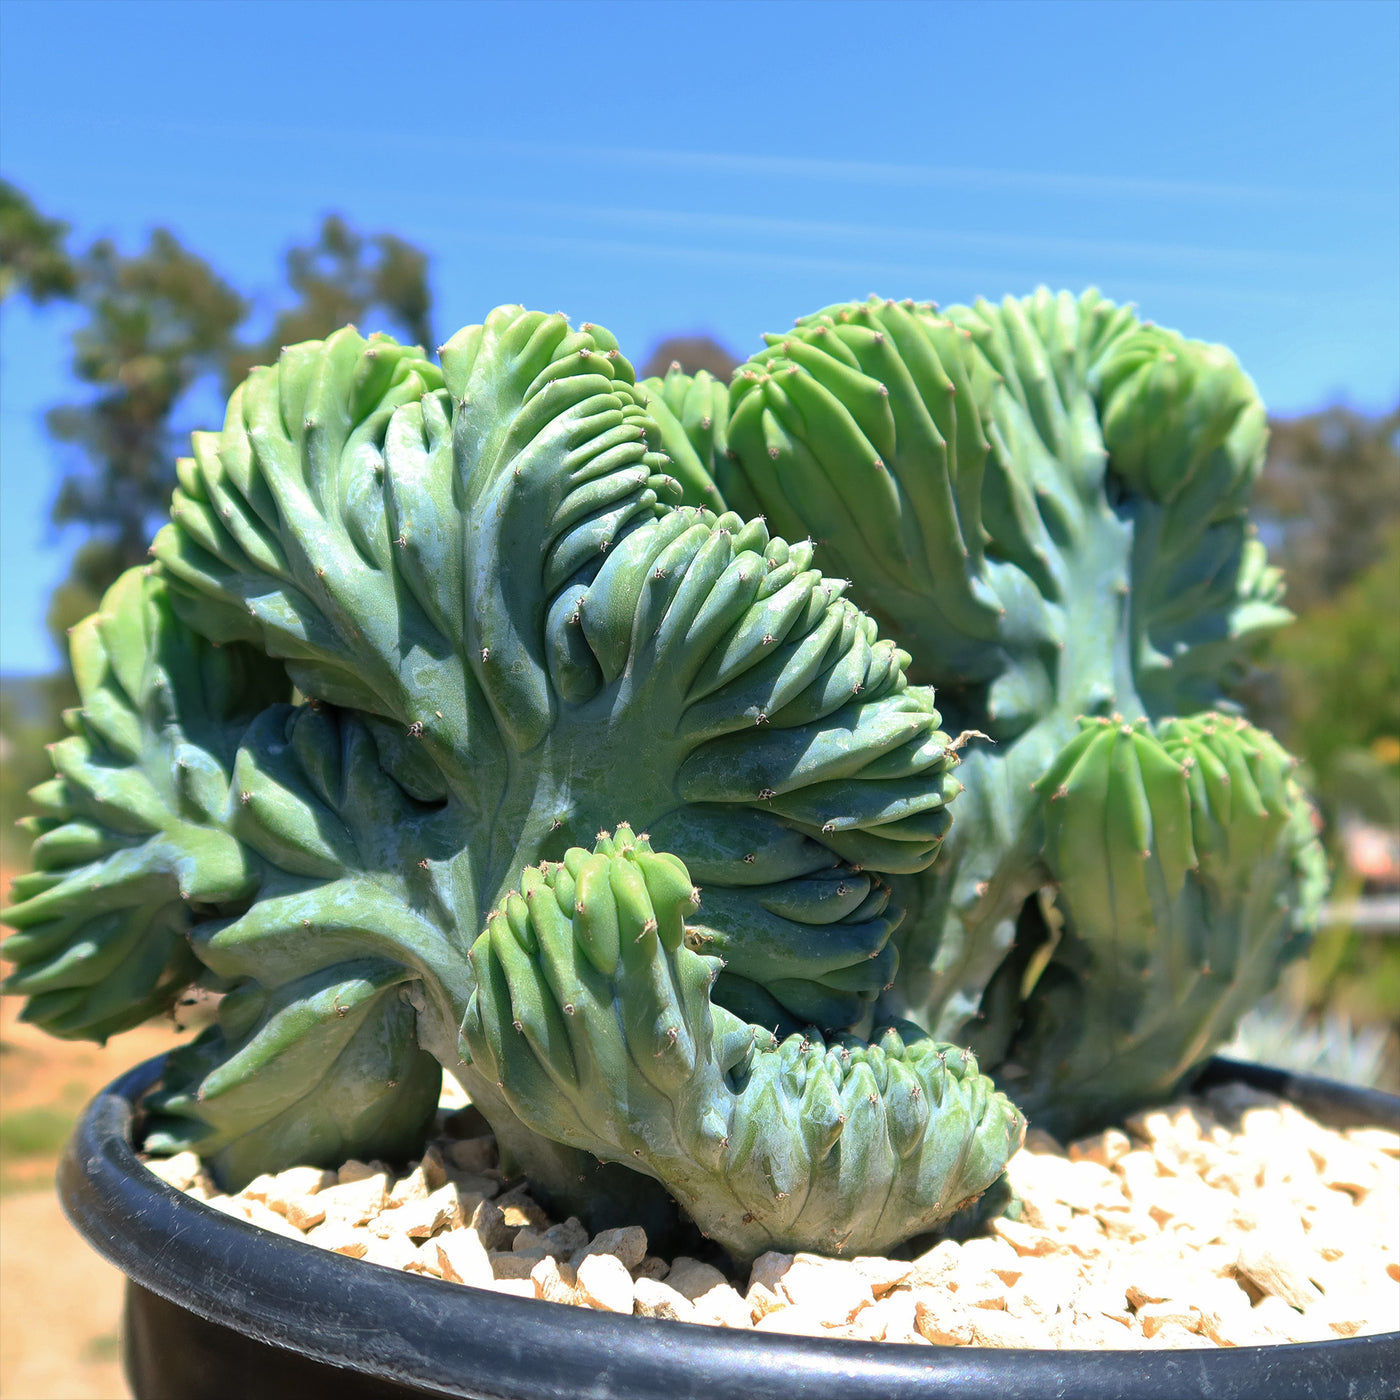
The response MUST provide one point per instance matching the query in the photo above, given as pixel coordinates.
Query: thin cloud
(886, 173)
(1128, 254)
(923, 275)
(1233, 259)
(770, 167)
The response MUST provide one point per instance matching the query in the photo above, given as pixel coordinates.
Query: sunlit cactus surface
(500, 714)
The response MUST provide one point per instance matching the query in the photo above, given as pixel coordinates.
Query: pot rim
(472, 1343)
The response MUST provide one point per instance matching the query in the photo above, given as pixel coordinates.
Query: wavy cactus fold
(1186, 873)
(325, 1067)
(417, 631)
(529, 649)
(1044, 500)
(593, 1018)
(486, 685)
(130, 849)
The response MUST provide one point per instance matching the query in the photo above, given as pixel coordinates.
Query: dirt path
(60, 1302)
(60, 1308)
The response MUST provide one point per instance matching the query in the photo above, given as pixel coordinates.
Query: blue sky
(1234, 169)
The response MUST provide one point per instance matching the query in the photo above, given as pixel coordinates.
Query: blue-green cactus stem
(508, 639)
(592, 1018)
(1187, 873)
(519, 653)
(1044, 500)
(522, 598)
(325, 1067)
(131, 850)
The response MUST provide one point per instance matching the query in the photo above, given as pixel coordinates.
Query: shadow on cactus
(471, 717)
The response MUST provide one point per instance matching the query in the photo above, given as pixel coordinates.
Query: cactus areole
(577, 735)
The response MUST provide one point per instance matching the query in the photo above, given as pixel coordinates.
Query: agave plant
(469, 716)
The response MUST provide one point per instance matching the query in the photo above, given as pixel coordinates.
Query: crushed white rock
(1232, 1220)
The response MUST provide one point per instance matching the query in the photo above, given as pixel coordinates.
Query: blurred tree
(33, 259)
(1339, 672)
(692, 353)
(29, 720)
(34, 264)
(1328, 507)
(155, 325)
(343, 279)
(1329, 492)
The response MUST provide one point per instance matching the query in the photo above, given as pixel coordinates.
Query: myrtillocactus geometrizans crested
(503, 714)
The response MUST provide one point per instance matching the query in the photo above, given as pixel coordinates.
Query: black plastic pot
(220, 1310)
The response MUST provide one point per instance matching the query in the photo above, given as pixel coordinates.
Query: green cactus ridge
(129, 850)
(629, 656)
(324, 1068)
(1045, 501)
(956, 465)
(588, 996)
(416, 631)
(1187, 873)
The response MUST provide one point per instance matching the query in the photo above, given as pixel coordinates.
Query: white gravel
(1233, 1220)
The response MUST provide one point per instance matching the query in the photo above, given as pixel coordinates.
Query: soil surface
(60, 1302)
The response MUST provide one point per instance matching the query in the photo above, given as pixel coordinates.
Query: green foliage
(30, 720)
(34, 1132)
(1339, 669)
(1329, 498)
(155, 324)
(341, 279)
(159, 326)
(1329, 503)
(1276, 1033)
(33, 261)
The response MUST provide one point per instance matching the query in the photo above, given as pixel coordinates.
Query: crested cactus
(592, 1018)
(1045, 502)
(417, 631)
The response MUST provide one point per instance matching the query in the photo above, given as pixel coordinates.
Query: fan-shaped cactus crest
(579, 736)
